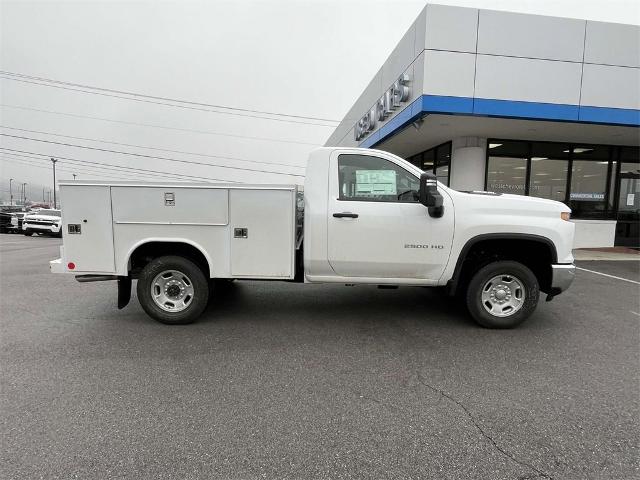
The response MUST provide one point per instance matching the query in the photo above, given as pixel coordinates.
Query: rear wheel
(173, 290)
(28, 233)
(502, 294)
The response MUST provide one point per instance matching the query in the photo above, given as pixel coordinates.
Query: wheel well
(146, 252)
(536, 253)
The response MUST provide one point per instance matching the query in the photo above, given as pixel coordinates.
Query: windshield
(51, 213)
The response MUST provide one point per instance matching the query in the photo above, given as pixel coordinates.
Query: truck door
(376, 226)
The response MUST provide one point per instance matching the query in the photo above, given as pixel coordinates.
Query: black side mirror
(429, 195)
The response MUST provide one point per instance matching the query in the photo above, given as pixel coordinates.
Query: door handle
(345, 215)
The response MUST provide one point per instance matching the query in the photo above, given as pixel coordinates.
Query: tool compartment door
(89, 207)
(262, 231)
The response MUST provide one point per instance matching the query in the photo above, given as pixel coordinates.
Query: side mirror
(429, 195)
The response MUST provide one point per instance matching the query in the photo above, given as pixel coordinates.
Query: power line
(74, 168)
(143, 100)
(167, 99)
(79, 170)
(109, 167)
(118, 168)
(168, 174)
(147, 156)
(147, 147)
(151, 125)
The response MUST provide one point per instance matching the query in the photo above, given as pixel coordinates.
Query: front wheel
(28, 233)
(173, 290)
(502, 294)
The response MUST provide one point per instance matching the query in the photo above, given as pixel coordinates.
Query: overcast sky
(311, 59)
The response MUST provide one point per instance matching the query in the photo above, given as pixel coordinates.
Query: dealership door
(628, 216)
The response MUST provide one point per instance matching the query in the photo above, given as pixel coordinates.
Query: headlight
(565, 216)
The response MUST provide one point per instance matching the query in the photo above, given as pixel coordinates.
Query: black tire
(185, 266)
(28, 233)
(505, 268)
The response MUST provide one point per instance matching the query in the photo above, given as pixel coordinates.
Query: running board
(95, 278)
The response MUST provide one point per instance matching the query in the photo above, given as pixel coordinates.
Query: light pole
(74, 176)
(53, 160)
(10, 192)
(24, 194)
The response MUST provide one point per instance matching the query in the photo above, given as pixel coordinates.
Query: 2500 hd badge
(414, 245)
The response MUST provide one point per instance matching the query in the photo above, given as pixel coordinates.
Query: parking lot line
(607, 275)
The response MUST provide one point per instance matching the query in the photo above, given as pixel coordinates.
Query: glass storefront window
(549, 178)
(549, 169)
(443, 160)
(436, 160)
(588, 188)
(428, 160)
(507, 148)
(507, 175)
(589, 180)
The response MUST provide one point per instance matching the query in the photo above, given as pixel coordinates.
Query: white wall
(594, 233)
(485, 54)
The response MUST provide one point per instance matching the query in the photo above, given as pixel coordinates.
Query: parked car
(5, 216)
(16, 222)
(45, 221)
(5, 221)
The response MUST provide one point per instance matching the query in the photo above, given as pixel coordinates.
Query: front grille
(39, 222)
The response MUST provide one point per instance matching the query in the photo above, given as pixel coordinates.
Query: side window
(367, 178)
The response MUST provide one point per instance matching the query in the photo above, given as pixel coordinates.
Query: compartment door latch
(240, 232)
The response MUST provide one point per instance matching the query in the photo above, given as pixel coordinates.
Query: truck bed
(243, 230)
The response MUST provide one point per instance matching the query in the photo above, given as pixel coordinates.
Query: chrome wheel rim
(172, 291)
(503, 295)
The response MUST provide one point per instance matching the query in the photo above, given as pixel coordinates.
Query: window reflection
(589, 181)
(436, 160)
(507, 175)
(549, 178)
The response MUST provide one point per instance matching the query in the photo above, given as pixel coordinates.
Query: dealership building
(514, 103)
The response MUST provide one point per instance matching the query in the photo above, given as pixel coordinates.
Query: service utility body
(363, 217)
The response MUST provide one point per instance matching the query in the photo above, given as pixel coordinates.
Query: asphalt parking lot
(290, 381)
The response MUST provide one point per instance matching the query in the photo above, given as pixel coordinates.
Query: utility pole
(24, 194)
(74, 175)
(53, 160)
(10, 191)
(42, 194)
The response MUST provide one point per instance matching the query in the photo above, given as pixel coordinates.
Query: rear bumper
(562, 276)
(56, 266)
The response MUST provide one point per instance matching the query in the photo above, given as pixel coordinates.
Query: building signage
(385, 106)
(587, 196)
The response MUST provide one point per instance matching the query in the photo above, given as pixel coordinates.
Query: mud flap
(124, 292)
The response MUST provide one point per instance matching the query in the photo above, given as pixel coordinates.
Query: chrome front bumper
(562, 276)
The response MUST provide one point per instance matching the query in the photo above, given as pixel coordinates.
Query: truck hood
(50, 218)
(508, 204)
(538, 202)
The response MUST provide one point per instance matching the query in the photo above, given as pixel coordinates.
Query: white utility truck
(364, 217)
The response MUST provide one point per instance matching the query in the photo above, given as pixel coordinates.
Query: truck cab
(365, 217)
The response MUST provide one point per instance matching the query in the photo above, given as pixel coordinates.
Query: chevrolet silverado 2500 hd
(364, 217)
